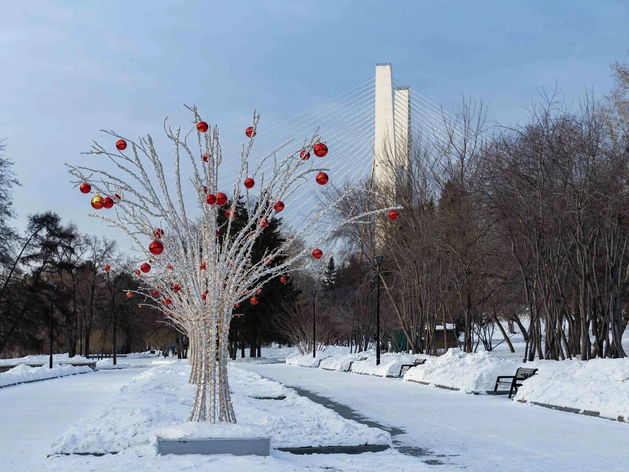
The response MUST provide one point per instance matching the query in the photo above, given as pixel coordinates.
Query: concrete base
(235, 446)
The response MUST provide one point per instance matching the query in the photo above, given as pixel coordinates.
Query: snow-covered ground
(23, 373)
(469, 432)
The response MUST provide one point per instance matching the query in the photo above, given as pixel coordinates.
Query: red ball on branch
(279, 206)
(108, 202)
(158, 233)
(229, 214)
(107, 268)
(283, 279)
(250, 132)
(249, 182)
(121, 145)
(145, 268)
(129, 294)
(317, 253)
(322, 178)
(263, 222)
(202, 127)
(237, 305)
(254, 301)
(205, 157)
(320, 150)
(155, 293)
(156, 248)
(304, 155)
(85, 188)
(176, 287)
(210, 199)
(393, 215)
(136, 272)
(168, 301)
(221, 199)
(258, 291)
(170, 267)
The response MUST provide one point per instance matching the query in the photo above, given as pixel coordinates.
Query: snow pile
(162, 397)
(306, 360)
(600, 385)
(471, 373)
(24, 373)
(342, 362)
(390, 364)
(108, 364)
(43, 359)
(193, 430)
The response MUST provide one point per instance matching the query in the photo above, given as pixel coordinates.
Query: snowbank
(390, 364)
(24, 373)
(342, 362)
(43, 359)
(599, 385)
(108, 364)
(471, 373)
(162, 397)
(306, 360)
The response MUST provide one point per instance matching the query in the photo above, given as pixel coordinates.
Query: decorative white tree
(198, 269)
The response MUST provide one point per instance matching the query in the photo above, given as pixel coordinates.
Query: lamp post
(378, 262)
(52, 287)
(314, 324)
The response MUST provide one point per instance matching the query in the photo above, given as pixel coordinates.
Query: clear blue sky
(71, 68)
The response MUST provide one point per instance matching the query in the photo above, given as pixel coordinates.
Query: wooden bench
(405, 367)
(514, 381)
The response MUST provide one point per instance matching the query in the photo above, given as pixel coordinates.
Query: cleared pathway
(469, 431)
(34, 415)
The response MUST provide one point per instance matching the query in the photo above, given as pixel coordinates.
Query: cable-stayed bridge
(366, 128)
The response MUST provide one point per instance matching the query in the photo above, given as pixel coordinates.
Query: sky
(72, 68)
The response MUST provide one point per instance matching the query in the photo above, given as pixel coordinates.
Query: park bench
(514, 381)
(405, 367)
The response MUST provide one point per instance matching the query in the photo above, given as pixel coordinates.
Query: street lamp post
(314, 324)
(378, 261)
(52, 287)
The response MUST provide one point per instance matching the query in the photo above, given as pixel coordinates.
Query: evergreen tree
(329, 275)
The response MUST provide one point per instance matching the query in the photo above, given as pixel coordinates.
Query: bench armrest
(505, 377)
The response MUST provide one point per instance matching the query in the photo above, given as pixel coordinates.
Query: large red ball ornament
(108, 202)
(221, 199)
(322, 178)
(97, 202)
(85, 188)
(210, 199)
(176, 287)
(107, 268)
(249, 182)
(279, 206)
(283, 279)
(320, 150)
(158, 233)
(393, 215)
(155, 293)
(156, 248)
(250, 132)
(121, 145)
(168, 301)
(317, 253)
(145, 268)
(202, 126)
(304, 155)
(254, 301)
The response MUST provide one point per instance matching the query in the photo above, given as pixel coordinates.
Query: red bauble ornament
(97, 202)
(85, 188)
(136, 272)
(168, 301)
(203, 296)
(250, 132)
(204, 266)
(158, 233)
(254, 301)
(210, 199)
(258, 291)
(117, 197)
(317, 253)
(393, 215)
(107, 268)
(263, 222)
(205, 157)
(155, 293)
(129, 294)
(156, 248)
(322, 178)
(170, 267)
(121, 145)
(237, 305)
(221, 199)
(249, 182)
(140, 306)
(279, 206)
(269, 261)
(320, 150)
(229, 214)
(217, 233)
(304, 155)
(176, 287)
(108, 202)
(145, 268)
(283, 279)
(202, 126)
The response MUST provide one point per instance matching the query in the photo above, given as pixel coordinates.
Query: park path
(34, 415)
(474, 432)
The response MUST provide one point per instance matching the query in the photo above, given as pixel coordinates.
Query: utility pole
(314, 324)
(52, 287)
(378, 261)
